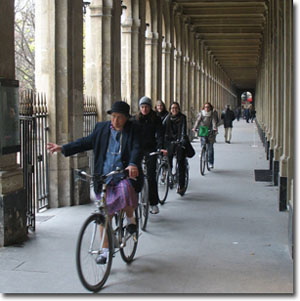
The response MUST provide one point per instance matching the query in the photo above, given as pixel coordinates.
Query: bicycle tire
(186, 180)
(202, 161)
(128, 242)
(144, 205)
(207, 163)
(92, 275)
(162, 179)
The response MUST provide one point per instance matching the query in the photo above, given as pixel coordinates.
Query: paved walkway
(225, 235)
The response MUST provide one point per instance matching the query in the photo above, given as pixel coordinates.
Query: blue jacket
(98, 141)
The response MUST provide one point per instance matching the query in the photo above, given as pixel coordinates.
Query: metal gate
(89, 122)
(33, 158)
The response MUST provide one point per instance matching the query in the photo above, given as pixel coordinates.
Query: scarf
(173, 126)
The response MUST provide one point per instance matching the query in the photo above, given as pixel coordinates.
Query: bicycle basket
(203, 131)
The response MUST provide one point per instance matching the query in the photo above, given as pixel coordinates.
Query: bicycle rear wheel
(128, 242)
(89, 247)
(144, 205)
(202, 160)
(162, 182)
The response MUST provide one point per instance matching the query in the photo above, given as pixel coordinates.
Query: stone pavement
(225, 236)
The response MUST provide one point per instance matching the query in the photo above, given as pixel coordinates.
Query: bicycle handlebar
(100, 178)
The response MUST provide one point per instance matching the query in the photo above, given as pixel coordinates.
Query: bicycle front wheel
(202, 161)
(128, 241)
(207, 163)
(186, 176)
(144, 205)
(89, 246)
(162, 182)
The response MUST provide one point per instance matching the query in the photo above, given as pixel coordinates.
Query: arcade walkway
(225, 235)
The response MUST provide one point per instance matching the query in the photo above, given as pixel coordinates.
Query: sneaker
(101, 259)
(131, 228)
(211, 166)
(154, 209)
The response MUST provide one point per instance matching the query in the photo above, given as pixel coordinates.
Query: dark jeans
(181, 163)
(151, 176)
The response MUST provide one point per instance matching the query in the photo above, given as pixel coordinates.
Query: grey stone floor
(225, 236)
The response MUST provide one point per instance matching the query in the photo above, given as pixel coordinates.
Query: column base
(282, 194)
(13, 223)
(275, 172)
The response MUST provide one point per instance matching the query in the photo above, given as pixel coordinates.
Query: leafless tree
(25, 43)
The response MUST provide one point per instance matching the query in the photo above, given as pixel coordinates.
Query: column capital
(186, 59)
(100, 10)
(177, 53)
(131, 23)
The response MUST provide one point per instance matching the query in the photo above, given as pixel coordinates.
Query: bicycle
(144, 194)
(204, 153)
(163, 176)
(168, 178)
(95, 229)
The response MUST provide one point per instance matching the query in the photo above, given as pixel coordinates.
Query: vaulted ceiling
(233, 31)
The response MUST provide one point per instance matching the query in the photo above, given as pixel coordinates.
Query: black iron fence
(33, 159)
(33, 156)
(89, 122)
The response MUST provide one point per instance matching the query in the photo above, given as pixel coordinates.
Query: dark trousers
(151, 176)
(181, 163)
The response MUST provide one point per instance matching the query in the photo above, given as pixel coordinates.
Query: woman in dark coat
(152, 140)
(176, 130)
(161, 110)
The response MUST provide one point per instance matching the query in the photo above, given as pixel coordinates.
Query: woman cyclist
(161, 110)
(206, 117)
(152, 140)
(176, 131)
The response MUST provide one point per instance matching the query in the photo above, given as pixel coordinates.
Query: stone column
(278, 93)
(273, 83)
(168, 77)
(132, 46)
(153, 68)
(202, 75)
(13, 227)
(179, 65)
(59, 73)
(286, 160)
(103, 57)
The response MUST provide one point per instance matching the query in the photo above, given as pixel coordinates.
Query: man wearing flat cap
(116, 144)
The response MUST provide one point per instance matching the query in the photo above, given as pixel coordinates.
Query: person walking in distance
(116, 144)
(228, 117)
(152, 140)
(206, 117)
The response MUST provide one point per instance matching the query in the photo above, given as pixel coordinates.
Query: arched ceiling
(233, 32)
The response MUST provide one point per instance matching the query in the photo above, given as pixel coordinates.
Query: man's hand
(133, 171)
(52, 147)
